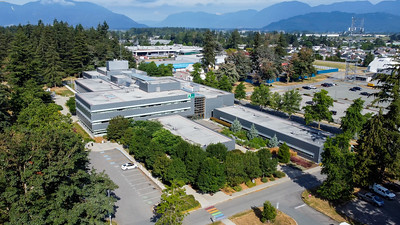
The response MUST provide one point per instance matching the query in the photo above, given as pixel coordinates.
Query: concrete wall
(81, 88)
(308, 150)
(98, 122)
(158, 87)
(218, 102)
(117, 65)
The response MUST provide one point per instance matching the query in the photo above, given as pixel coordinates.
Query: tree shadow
(303, 179)
(257, 211)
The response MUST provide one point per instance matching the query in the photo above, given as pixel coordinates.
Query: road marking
(142, 188)
(215, 213)
(131, 175)
(277, 205)
(112, 163)
(139, 183)
(297, 207)
(147, 193)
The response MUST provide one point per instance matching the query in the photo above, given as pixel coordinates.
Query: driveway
(136, 193)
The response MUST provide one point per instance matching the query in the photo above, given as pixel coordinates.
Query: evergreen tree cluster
(44, 173)
(49, 53)
(376, 156)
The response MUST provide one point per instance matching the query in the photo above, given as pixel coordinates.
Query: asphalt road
(136, 193)
(285, 196)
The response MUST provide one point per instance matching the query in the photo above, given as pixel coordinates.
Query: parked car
(334, 112)
(128, 166)
(327, 85)
(379, 189)
(371, 198)
(365, 93)
(352, 89)
(308, 87)
(309, 102)
(357, 88)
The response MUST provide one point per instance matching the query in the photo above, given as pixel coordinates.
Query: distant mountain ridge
(280, 11)
(336, 22)
(85, 13)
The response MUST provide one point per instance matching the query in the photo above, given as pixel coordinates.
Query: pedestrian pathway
(207, 200)
(215, 213)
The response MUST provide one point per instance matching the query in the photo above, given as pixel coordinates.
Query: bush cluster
(172, 159)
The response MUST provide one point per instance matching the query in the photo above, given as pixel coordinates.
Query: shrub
(284, 153)
(236, 126)
(271, 178)
(269, 213)
(258, 141)
(250, 184)
(301, 162)
(237, 188)
(242, 134)
(226, 132)
(71, 105)
(264, 180)
(279, 174)
(273, 142)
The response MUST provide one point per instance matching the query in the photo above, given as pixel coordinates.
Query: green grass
(65, 93)
(331, 64)
(191, 203)
(81, 131)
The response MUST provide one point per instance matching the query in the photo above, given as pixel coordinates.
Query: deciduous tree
(320, 109)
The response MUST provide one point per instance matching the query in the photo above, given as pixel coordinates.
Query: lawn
(322, 206)
(252, 217)
(191, 203)
(78, 129)
(63, 91)
(338, 65)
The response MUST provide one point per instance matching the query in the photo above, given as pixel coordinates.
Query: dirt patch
(251, 217)
(63, 91)
(99, 139)
(248, 87)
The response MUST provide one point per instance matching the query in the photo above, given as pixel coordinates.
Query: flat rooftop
(97, 84)
(132, 93)
(203, 90)
(289, 128)
(191, 131)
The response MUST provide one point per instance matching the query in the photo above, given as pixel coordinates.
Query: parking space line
(144, 188)
(133, 174)
(141, 183)
(147, 193)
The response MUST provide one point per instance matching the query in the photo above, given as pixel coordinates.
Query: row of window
(142, 106)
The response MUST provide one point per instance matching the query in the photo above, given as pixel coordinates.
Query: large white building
(381, 64)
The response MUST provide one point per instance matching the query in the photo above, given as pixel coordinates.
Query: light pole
(109, 213)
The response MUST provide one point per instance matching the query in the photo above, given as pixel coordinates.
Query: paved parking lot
(136, 193)
(367, 213)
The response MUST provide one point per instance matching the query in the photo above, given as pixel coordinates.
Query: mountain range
(85, 13)
(295, 10)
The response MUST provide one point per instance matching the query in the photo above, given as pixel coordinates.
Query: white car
(128, 166)
(379, 189)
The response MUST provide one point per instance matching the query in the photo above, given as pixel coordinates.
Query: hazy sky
(156, 10)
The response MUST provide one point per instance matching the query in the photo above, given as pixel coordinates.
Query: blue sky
(157, 10)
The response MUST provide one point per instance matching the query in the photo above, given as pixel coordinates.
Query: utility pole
(109, 213)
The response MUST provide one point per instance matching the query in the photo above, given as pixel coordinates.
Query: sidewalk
(207, 200)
